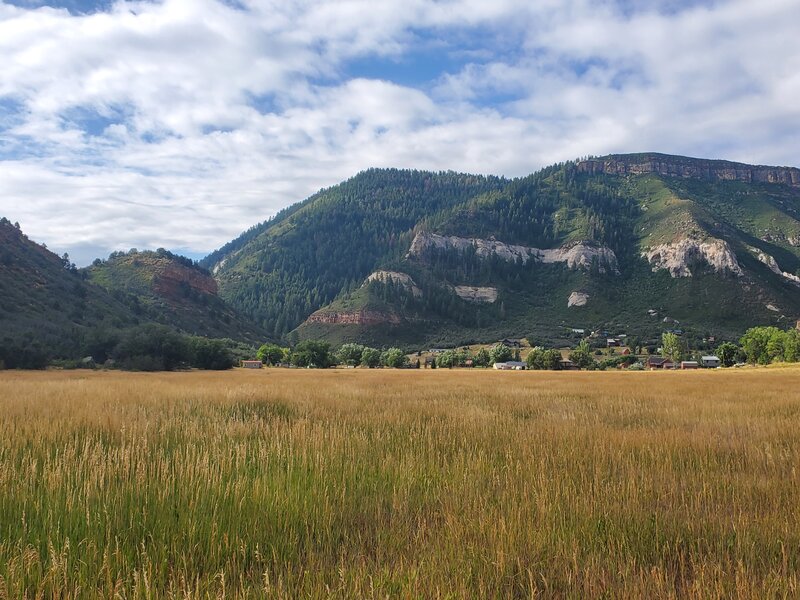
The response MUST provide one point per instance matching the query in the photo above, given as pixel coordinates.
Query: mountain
(281, 271)
(47, 304)
(52, 309)
(632, 244)
(172, 290)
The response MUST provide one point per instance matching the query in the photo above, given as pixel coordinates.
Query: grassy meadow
(400, 484)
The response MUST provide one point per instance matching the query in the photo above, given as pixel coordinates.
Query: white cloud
(181, 123)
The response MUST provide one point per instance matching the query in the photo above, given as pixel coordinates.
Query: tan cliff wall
(709, 170)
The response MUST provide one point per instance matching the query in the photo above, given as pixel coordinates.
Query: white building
(512, 365)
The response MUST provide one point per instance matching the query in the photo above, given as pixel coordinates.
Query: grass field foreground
(421, 484)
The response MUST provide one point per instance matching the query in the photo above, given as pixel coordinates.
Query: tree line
(758, 346)
(148, 347)
(320, 355)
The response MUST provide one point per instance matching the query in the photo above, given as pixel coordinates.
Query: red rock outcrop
(171, 281)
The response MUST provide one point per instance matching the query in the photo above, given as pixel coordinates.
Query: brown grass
(413, 484)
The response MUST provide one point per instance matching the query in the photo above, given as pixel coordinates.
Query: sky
(181, 123)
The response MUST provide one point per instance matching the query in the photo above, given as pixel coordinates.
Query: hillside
(51, 309)
(48, 305)
(171, 289)
(627, 243)
(281, 271)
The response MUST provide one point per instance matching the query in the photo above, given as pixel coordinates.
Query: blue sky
(180, 123)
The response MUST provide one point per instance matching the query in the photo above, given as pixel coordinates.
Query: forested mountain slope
(50, 309)
(47, 304)
(637, 243)
(171, 289)
(634, 244)
(281, 271)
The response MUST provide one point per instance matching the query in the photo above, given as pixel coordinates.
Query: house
(613, 343)
(689, 364)
(658, 362)
(511, 365)
(568, 365)
(578, 331)
(469, 363)
(711, 362)
(626, 351)
(511, 343)
(251, 364)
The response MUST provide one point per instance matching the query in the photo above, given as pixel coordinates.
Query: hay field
(400, 484)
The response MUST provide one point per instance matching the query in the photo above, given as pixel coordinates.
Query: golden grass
(411, 484)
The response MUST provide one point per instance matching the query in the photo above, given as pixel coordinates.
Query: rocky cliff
(576, 256)
(682, 257)
(403, 279)
(477, 294)
(358, 317)
(172, 280)
(577, 299)
(672, 166)
(774, 267)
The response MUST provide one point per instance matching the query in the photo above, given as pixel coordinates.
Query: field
(409, 484)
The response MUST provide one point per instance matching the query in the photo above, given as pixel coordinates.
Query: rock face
(359, 317)
(709, 170)
(577, 299)
(396, 277)
(576, 256)
(773, 266)
(681, 257)
(479, 295)
(171, 281)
